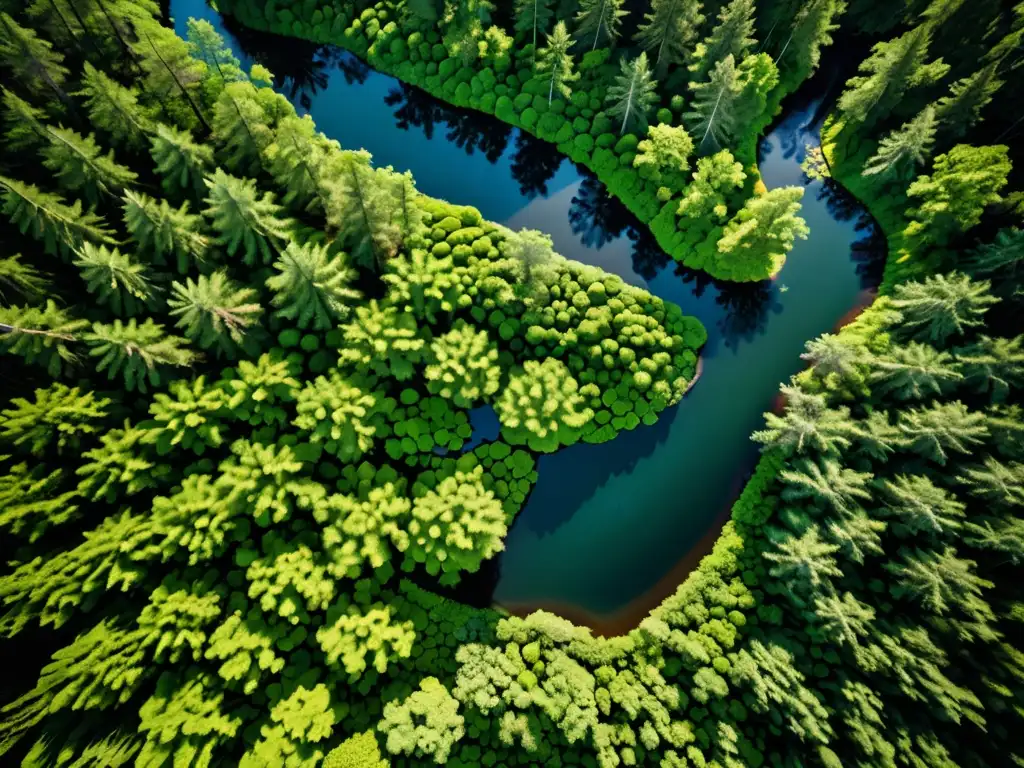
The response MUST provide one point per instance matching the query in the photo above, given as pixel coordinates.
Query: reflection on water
(605, 522)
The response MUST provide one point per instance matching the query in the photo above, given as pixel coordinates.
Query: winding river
(609, 529)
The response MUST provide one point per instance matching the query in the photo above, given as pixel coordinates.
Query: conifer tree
(408, 215)
(205, 44)
(811, 30)
(114, 109)
(21, 278)
(32, 502)
(339, 413)
(919, 507)
(555, 61)
(807, 425)
(732, 36)
(296, 161)
(804, 563)
(383, 340)
(168, 64)
(25, 124)
(43, 335)
(214, 311)
(115, 278)
(668, 30)
(1002, 257)
(633, 94)
(429, 287)
(598, 21)
(312, 286)
(259, 390)
(242, 128)
(828, 482)
(968, 96)
(712, 118)
(913, 372)
(31, 60)
(757, 239)
(901, 152)
(167, 234)
(844, 620)
(244, 220)
(941, 581)
(136, 351)
(831, 355)
(190, 416)
(61, 23)
(532, 18)
(62, 228)
(942, 306)
(118, 467)
(946, 427)
(361, 208)
(993, 365)
(59, 418)
(181, 162)
(79, 165)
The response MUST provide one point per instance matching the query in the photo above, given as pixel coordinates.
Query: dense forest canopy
(241, 364)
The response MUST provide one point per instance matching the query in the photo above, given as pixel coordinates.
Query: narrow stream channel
(609, 529)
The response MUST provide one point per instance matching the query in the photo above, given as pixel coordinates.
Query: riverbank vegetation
(217, 464)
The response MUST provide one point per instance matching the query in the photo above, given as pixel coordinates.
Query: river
(609, 529)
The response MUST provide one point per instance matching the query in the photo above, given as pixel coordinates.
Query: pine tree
(312, 286)
(168, 64)
(941, 582)
(913, 372)
(244, 220)
(554, 59)
(361, 208)
(296, 161)
(214, 311)
(1004, 256)
(804, 563)
(59, 419)
(533, 17)
(919, 507)
(732, 36)
(205, 44)
(755, 242)
(79, 165)
(828, 482)
(904, 149)
(164, 233)
(993, 366)
(242, 129)
(936, 431)
(843, 620)
(118, 467)
(408, 215)
(41, 335)
(182, 164)
(25, 124)
(807, 425)
(942, 306)
(61, 23)
(114, 109)
(599, 20)
(21, 278)
(960, 110)
(831, 355)
(999, 485)
(136, 351)
(633, 94)
(712, 115)
(30, 59)
(668, 30)
(116, 279)
(811, 29)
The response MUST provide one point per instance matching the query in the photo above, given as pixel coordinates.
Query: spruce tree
(361, 209)
(114, 109)
(61, 23)
(554, 60)
(26, 128)
(1004, 256)
(993, 366)
(805, 564)
(807, 426)
(115, 279)
(58, 418)
(598, 21)
(755, 242)
(44, 335)
(942, 307)
(168, 64)
(136, 351)
(245, 221)
(917, 506)
(222, 67)
(668, 30)
(712, 118)
(811, 30)
(633, 94)
(901, 152)
(242, 129)
(165, 234)
(944, 428)
(32, 502)
(732, 36)
(181, 162)
(913, 372)
(79, 165)
(311, 286)
(214, 311)
(21, 278)
(532, 18)
(959, 111)
(31, 60)
(296, 161)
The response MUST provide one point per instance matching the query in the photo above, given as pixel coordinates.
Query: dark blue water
(605, 522)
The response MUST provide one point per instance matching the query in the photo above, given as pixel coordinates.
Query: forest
(241, 480)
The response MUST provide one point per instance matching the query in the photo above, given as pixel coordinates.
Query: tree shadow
(648, 257)
(596, 216)
(534, 164)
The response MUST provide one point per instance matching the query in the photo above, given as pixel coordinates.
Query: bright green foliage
(664, 156)
(541, 406)
(555, 63)
(242, 128)
(58, 419)
(425, 724)
(115, 278)
(732, 36)
(454, 527)
(952, 199)
(338, 413)
(32, 503)
(826, 484)
(384, 340)
(312, 286)
(914, 372)
(214, 311)
(532, 18)
(62, 228)
(26, 125)
(305, 714)
(41, 335)
(833, 359)
(357, 530)
(407, 215)
(425, 285)
(758, 238)
(359, 751)
(918, 506)
(79, 165)
(993, 366)
(168, 64)
(807, 425)
(296, 160)
(136, 351)
(361, 208)
(942, 306)
(903, 150)
(464, 367)
(22, 278)
(258, 390)
(668, 30)
(804, 563)
(358, 638)
(245, 646)
(118, 466)
(31, 59)
(940, 581)
(598, 21)
(268, 475)
(633, 93)
(114, 109)
(189, 415)
(164, 233)
(205, 44)
(181, 162)
(934, 432)
(959, 111)
(244, 220)
(706, 196)
(288, 580)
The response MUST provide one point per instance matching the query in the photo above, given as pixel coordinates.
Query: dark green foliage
(45, 335)
(115, 278)
(312, 286)
(114, 109)
(214, 311)
(243, 219)
(136, 351)
(181, 162)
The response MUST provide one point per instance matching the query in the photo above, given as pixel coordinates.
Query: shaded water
(609, 527)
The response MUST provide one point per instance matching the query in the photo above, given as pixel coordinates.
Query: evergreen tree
(913, 372)
(136, 351)
(999, 485)
(166, 234)
(942, 306)
(118, 467)
(832, 356)
(79, 165)
(25, 124)
(828, 483)
(940, 582)
(244, 220)
(31, 60)
(968, 96)
(993, 366)
(214, 311)
(811, 30)
(554, 59)
(599, 20)
(805, 564)
(41, 335)
(312, 286)
(712, 115)
(934, 432)
(1002, 257)
(383, 340)
(168, 64)
(757, 239)
(903, 150)
(361, 208)
(32, 503)
(807, 425)
(633, 94)
(59, 418)
(429, 287)
(296, 161)
(408, 215)
(668, 30)
(533, 17)
(222, 67)
(181, 163)
(61, 228)
(919, 507)
(61, 23)
(732, 36)
(114, 109)
(116, 279)
(844, 620)
(22, 278)
(242, 129)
